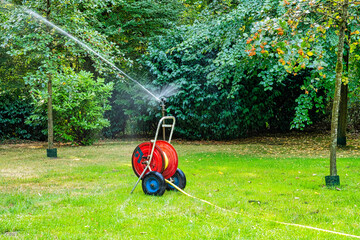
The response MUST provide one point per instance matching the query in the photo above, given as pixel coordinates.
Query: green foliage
(354, 96)
(132, 23)
(30, 42)
(95, 23)
(15, 108)
(199, 9)
(224, 93)
(305, 36)
(15, 103)
(79, 104)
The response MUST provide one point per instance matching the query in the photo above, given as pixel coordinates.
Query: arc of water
(63, 32)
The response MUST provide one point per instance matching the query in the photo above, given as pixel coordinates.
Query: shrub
(15, 108)
(79, 103)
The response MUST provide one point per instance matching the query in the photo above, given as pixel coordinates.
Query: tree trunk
(50, 116)
(50, 107)
(338, 82)
(341, 139)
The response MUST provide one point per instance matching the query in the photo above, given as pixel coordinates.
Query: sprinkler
(162, 104)
(156, 162)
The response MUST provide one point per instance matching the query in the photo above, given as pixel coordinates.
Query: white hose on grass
(274, 221)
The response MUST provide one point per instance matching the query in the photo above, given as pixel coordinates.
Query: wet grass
(84, 194)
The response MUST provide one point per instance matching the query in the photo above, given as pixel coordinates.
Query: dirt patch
(22, 144)
(17, 173)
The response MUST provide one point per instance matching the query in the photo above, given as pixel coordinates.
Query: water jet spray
(82, 44)
(167, 90)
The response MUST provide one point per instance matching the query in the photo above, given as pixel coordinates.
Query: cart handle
(162, 124)
(172, 125)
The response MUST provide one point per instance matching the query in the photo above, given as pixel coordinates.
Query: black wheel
(177, 179)
(154, 184)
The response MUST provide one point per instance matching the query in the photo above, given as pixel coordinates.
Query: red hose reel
(164, 161)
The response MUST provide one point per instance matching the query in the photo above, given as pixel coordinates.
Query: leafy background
(200, 47)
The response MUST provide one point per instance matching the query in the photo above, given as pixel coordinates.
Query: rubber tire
(154, 184)
(179, 180)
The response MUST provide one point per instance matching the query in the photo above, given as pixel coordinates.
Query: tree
(23, 35)
(342, 23)
(297, 53)
(50, 93)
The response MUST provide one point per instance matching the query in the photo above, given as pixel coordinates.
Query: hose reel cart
(156, 162)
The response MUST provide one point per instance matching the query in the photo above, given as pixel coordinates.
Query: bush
(15, 108)
(79, 103)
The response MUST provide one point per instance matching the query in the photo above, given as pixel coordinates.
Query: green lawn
(84, 194)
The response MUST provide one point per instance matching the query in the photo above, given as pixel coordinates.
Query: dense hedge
(209, 109)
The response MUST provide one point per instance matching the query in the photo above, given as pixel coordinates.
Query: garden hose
(166, 161)
(274, 221)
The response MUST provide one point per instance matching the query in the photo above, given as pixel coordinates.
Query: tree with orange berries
(299, 39)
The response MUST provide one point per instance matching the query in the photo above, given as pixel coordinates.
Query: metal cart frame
(162, 124)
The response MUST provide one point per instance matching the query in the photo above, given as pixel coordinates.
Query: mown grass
(84, 194)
